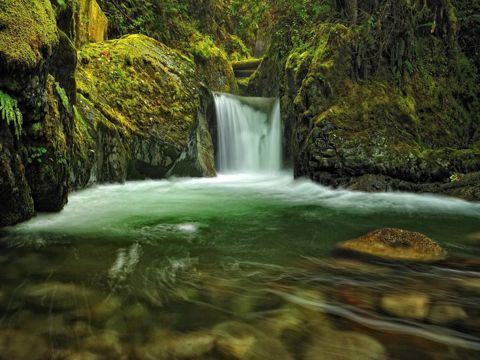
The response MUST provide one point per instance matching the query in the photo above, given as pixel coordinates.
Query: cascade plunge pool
(133, 266)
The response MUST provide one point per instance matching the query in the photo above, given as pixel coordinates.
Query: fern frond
(11, 113)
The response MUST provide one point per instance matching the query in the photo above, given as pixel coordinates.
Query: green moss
(140, 85)
(11, 113)
(82, 138)
(63, 96)
(28, 32)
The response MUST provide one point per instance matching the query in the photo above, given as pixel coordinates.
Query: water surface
(180, 256)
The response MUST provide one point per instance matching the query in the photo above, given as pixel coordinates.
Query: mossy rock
(212, 64)
(28, 33)
(142, 102)
(141, 86)
(341, 128)
(48, 153)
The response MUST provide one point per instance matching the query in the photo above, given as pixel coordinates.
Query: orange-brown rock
(395, 244)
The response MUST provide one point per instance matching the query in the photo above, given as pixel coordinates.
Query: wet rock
(396, 245)
(243, 342)
(447, 314)
(57, 296)
(19, 345)
(474, 238)
(52, 325)
(345, 345)
(84, 356)
(352, 266)
(105, 309)
(138, 320)
(81, 329)
(168, 346)
(357, 296)
(282, 321)
(471, 285)
(107, 344)
(413, 306)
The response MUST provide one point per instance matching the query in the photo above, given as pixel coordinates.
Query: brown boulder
(395, 244)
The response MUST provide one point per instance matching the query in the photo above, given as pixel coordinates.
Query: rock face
(91, 23)
(367, 114)
(28, 40)
(140, 110)
(396, 245)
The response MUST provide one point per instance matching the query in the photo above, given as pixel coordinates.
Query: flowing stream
(154, 265)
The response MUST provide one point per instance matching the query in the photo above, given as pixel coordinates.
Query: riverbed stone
(105, 309)
(236, 340)
(445, 314)
(345, 345)
(414, 306)
(85, 355)
(469, 285)
(58, 296)
(394, 245)
(20, 345)
(106, 344)
(170, 346)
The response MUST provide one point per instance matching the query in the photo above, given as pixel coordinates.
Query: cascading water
(249, 134)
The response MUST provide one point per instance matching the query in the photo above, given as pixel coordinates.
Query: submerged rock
(395, 244)
(19, 345)
(447, 314)
(84, 356)
(58, 296)
(169, 346)
(345, 345)
(413, 306)
(243, 342)
(107, 344)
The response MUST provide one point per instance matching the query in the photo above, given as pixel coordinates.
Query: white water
(249, 138)
(111, 209)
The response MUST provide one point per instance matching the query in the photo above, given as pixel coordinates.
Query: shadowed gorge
(239, 180)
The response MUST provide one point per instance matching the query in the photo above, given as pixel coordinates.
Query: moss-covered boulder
(143, 99)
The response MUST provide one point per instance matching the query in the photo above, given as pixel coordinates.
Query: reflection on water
(236, 267)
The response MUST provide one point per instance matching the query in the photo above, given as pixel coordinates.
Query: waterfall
(249, 134)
